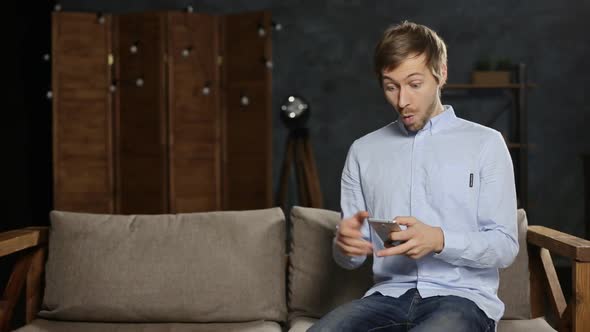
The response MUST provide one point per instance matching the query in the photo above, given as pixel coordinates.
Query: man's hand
(420, 239)
(349, 237)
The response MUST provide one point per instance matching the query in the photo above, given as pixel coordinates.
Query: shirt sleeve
(351, 202)
(495, 245)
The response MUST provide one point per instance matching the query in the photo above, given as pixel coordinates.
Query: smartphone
(383, 228)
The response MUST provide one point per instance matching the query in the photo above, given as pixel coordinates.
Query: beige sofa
(229, 271)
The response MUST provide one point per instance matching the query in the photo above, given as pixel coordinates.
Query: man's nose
(403, 99)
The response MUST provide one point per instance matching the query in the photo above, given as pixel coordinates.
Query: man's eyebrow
(413, 74)
(385, 77)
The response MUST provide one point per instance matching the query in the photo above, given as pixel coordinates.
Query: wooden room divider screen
(162, 112)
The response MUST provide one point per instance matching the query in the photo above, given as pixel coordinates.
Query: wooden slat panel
(247, 131)
(141, 139)
(248, 156)
(82, 119)
(245, 48)
(194, 118)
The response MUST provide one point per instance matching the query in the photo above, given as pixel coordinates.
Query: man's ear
(443, 75)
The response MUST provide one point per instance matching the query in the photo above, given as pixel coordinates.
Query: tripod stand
(298, 150)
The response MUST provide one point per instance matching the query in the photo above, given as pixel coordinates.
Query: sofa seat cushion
(301, 324)
(42, 325)
(525, 325)
(210, 267)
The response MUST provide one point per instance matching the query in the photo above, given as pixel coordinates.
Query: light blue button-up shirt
(453, 174)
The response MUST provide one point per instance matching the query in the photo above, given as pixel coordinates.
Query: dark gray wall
(324, 54)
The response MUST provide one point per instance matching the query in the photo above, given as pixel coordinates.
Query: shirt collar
(435, 124)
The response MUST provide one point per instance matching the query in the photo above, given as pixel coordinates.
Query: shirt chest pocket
(452, 186)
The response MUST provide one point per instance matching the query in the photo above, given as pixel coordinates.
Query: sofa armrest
(30, 246)
(21, 239)
(543, 241)
(559, 243)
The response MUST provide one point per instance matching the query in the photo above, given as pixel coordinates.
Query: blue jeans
(407, 312)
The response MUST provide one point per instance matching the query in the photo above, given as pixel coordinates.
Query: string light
(49, 94)
(206, 89)
(261, 31)
(244, 100)
(46, 57)
(100, 18)
(139, 82)
(134, 48)
(277, 26)
(190, 9)
(267, 63)
(187, 51)
(57, 7)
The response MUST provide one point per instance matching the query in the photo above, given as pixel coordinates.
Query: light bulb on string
(206, 89)
(134, 48)
(100, 18)
(49, 95)
(187, 51)
(139, 82)
(244, 100)
(57, 7)
(189, 9)
(277, 26)
(261, 30)
(46, 57)
(267, 63)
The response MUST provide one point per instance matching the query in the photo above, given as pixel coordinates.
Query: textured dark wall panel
(324, 54)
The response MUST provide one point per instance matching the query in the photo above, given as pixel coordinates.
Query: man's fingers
(397, 250)
(407, 221)
(402, 236)
(357, 243)
(350, 232)
(361, 216)
(352, 250)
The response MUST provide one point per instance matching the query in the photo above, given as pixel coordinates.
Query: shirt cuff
(455, 244)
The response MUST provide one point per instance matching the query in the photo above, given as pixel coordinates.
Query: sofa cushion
(525, 325)
(514, 288)
(195, 267)
(301, 324)
(316, 283)
(41, 325)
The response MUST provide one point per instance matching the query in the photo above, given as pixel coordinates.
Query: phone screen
(383, 229)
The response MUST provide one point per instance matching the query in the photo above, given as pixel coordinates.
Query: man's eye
(390, 88)
(415, 85)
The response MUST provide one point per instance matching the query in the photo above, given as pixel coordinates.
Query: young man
(448, 182)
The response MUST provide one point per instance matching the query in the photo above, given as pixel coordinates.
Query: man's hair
(407, 38)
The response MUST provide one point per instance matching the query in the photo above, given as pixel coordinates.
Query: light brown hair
(405, 39)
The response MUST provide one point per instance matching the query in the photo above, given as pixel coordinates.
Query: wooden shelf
(487, 86)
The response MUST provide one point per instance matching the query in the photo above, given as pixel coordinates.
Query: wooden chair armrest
(575, 315)
(21, 239)
(559, 243)
(29, 244)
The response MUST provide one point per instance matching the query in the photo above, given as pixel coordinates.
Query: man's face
(413, 91)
